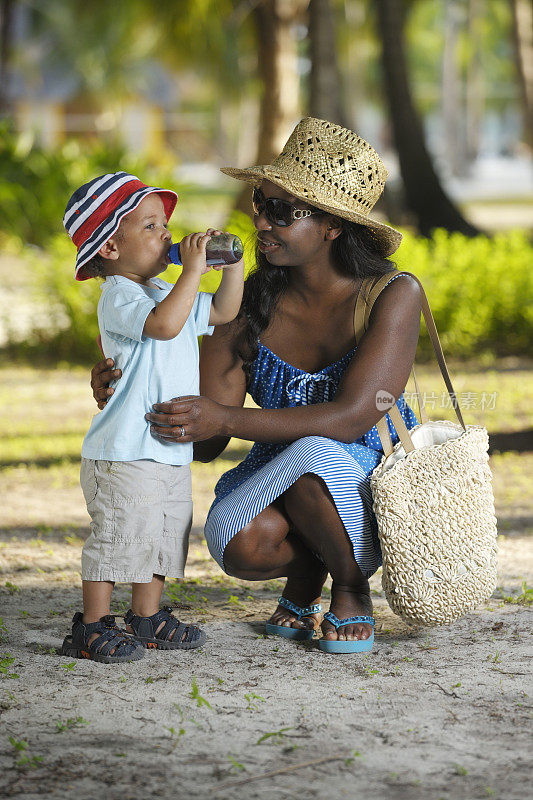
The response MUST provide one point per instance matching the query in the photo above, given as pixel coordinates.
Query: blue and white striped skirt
(345, 468)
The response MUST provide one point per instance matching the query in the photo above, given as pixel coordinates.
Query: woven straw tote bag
(433, 500)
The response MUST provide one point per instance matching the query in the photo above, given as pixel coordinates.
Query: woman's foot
(303, 592)
(349, 601)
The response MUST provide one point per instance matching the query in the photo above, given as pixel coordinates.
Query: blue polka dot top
(276, 384)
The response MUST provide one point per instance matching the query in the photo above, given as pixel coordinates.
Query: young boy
(137, 486)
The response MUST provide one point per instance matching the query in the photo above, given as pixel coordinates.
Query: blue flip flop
(347, 645)
(294, 633)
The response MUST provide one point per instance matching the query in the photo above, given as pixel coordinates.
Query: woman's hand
(188, 419)
(101, 376)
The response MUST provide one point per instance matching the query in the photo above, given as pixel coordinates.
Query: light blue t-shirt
(152, 371)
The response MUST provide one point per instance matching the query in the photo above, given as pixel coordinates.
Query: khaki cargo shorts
(141, 515)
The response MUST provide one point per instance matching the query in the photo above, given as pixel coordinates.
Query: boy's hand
(192, 251)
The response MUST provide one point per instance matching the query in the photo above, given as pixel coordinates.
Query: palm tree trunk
(6, 30)
(523, 40)
(425, 197)
(325, 85)
(475, 85)
(451, 89)
(278, 70)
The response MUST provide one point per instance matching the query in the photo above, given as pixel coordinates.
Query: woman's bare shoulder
(404, 282)
(229, 333)
(223, 345)
(402, 294)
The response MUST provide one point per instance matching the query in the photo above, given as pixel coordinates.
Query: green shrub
(35, 184)
(73, 328)
(480, 291)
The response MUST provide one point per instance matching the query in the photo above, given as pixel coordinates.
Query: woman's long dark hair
(356, 253)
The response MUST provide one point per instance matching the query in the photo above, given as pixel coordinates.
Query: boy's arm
(227, 298)
(167, 319)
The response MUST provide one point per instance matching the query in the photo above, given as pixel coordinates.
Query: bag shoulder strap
(369, 291)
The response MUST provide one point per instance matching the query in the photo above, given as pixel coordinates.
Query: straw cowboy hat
(332, 168)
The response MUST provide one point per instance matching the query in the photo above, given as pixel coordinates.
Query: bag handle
(368, 293)
(365, 301)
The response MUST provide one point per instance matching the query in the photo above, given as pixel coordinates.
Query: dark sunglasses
(278, 212)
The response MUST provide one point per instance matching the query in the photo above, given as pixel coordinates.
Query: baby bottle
(225, 248)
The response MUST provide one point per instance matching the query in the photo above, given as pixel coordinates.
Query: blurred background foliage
(440, 88)
(476, 287)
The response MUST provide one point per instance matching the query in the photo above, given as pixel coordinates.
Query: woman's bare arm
(382, 362)
(222, 380)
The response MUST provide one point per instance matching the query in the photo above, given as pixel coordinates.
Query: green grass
(495, 394)
(46, 413)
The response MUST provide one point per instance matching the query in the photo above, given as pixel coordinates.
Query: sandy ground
(444, 713)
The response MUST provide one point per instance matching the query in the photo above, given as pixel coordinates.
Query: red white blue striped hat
(96, 209)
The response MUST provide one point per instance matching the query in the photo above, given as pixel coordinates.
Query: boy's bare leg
(96, 602)
(96, 599)
(145, 599)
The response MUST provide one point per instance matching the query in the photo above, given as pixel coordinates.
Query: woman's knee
(240, 560)
(252, 551)
(308, 489)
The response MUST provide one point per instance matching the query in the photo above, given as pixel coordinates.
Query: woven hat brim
(103, 232)
(388, 238)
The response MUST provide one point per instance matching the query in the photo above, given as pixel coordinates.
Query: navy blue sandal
(347, 645)
(186, 637)
(112, 638)
(294, 633)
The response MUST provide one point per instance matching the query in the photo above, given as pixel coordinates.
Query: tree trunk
(6, 30)
(523, 41)
(451, 89)
(326, 96)
(425, 197)
(278, 71)
(355, 15)
(325, 85)
(475, 86)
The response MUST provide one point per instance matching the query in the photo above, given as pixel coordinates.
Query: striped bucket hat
(96, 209)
